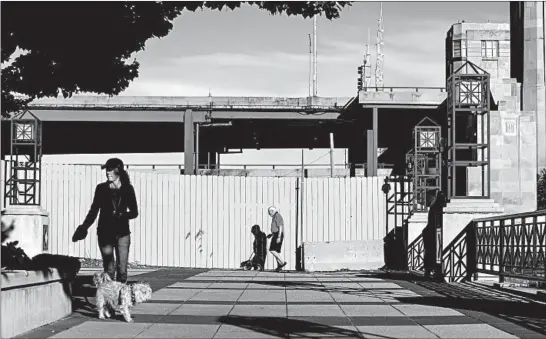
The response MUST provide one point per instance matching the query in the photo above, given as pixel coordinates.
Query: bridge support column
(189, 143)
(372, 145)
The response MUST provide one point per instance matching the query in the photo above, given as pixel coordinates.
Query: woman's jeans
(121, 247)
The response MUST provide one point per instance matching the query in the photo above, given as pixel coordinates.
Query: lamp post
(386, 189)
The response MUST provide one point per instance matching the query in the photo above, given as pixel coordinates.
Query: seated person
(260, 248)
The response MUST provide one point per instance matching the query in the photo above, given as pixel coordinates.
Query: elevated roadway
(96, 124)
(171, 109)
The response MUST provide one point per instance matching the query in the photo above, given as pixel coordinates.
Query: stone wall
(513, 152)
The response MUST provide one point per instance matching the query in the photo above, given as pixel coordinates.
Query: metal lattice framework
(427, 162)
(468, 119)
(23, 184)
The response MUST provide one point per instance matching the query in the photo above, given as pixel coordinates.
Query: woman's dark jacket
(116, 207)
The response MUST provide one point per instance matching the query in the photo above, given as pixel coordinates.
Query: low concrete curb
(31, 299)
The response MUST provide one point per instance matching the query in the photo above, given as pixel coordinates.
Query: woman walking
(115, 199)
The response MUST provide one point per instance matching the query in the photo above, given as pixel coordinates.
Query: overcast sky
(248, 52)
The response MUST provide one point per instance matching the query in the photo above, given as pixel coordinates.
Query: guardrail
(243, 166)
(505, 246)
(395, 89)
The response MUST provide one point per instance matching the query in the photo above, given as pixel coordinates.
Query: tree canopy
(72, 47)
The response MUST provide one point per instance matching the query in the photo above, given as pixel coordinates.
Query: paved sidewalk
(243, 304)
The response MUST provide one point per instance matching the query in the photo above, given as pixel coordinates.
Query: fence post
(501, 253)
(471, 244)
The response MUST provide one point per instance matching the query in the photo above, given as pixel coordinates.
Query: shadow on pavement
(281, 327)
(459, 296)
(531, 315)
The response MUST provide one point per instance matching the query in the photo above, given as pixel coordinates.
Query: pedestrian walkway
(248, 304)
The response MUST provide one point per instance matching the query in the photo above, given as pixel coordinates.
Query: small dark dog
(246, 265)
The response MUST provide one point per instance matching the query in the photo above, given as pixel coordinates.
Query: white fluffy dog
(113, 295)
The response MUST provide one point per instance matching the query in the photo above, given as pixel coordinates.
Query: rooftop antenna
(310, 66)
(379, 50)
(367, 65)
(315, 56)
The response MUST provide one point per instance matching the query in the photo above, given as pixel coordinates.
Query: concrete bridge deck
(402, 97)
(169, 109)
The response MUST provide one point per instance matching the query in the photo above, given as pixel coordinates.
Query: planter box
(31, 299)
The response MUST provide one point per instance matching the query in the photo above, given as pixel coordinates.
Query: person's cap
(113, 163)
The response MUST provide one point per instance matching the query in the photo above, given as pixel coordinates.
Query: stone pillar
(30, 228)
(416, 224)
(189, 143)
(534, 91)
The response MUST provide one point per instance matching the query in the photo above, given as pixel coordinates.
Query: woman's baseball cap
(113, 163)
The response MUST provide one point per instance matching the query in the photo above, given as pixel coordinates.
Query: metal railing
(505, 246)
(404, 89)
(241, 166)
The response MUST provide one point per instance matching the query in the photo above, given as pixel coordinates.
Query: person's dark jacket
(260, 244)
(112, 222)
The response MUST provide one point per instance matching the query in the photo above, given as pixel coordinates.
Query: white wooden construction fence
(205, 221)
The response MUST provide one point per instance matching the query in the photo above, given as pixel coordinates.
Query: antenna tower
(379, 49)
(315, 89)
(367, 65)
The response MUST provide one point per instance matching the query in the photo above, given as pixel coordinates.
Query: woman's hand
(80, 233)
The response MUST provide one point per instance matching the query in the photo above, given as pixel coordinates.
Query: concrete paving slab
(238, 304)
(314, 311)
(191, 285)
(352, 298)
(259, 311)
(222, 285)
(216, 295)
(153, 308)
(175, 294)
(377, 285)
(262, 296)
(308, 296)
(179, 331)
(468, 331)
(342, 285)
(104, 329)
(258, 285)
(204, 278)
(426, 310)
(236, 332)
(200, 309)
(371, 311)
(322, 331)
(395, 332)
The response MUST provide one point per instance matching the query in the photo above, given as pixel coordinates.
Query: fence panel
(205, 221)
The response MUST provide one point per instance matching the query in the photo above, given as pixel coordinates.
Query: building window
(459, 49)
(490, 49)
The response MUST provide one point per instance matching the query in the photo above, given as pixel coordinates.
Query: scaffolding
(24, 165)
(468, 123)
